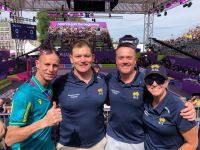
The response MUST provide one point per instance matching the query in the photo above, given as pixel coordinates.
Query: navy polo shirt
(82, 109)
(127, 107)
(164, 124)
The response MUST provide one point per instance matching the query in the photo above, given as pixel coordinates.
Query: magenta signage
(56, 24)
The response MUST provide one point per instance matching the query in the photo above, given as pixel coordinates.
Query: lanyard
(43, 92)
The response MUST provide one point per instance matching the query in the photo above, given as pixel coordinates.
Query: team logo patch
(155, 67)
(39, 101)
(162, 120)
(136, 94)
(100, 91)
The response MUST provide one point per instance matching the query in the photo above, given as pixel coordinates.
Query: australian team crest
(155, 67)
(100, 91)
(136, 95)
(162, 120)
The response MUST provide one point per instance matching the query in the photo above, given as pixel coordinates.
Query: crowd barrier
(5, 118)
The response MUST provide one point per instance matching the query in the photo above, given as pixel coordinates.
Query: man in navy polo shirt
(166, 128)
(81, 94)
(32, 111)
(125, 130)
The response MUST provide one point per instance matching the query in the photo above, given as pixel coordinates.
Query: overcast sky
(178, 21)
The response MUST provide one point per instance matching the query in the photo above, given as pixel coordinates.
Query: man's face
(47, 66)
(125, 60)
(82, 59)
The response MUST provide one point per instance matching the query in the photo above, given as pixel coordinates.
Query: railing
(5, 118)
(198, 113)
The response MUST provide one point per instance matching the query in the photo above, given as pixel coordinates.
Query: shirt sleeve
(183, 124)
(21, 106)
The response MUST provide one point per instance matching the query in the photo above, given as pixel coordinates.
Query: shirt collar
(163, 103)
(75, 79)
(39, 85)
(134, 82)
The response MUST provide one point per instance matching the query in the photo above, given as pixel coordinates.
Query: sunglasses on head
(158, 79)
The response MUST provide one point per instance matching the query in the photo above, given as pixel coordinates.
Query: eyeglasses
(158, 79)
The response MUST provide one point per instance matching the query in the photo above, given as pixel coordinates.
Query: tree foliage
(42, 25)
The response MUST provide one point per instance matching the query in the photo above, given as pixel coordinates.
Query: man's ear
(70, 58)
(37, 63)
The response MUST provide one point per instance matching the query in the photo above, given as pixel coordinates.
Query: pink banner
(55, 24)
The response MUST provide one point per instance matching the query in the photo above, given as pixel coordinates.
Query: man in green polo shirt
(33, 113)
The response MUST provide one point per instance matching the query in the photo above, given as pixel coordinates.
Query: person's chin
(125, 71)
(49, 78)
(84, 69)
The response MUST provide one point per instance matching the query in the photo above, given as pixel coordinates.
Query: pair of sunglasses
(158, 79)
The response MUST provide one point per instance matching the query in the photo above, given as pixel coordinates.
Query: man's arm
(189, 112)
(17, 134)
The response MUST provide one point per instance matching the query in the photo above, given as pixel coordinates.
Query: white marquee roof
(123, 6)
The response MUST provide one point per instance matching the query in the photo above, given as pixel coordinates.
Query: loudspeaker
(86, 5)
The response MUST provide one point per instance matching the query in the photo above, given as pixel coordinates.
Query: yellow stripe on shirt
(26, 112)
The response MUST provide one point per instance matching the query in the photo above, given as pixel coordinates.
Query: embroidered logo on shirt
(39, 101)
(161, 120)
(73, 95)
(100, 91)
(114, 91)
(155, 67)
(136, 95)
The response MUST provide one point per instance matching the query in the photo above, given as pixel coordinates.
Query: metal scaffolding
(146, 7)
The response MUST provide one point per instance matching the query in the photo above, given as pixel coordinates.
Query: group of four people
(139, 118)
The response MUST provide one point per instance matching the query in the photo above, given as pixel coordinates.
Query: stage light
(185, 5)
(189, 4)
(158, 15)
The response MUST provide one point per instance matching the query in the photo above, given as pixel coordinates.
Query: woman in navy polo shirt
(166, 129)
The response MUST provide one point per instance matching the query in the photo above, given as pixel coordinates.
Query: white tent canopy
(29, 47)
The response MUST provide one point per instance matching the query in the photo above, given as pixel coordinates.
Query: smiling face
(47, 67)
(82, 59)
(157, 88)
(125, 60)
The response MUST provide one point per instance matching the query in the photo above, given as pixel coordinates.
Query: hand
(53, 116)
(189, 112)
